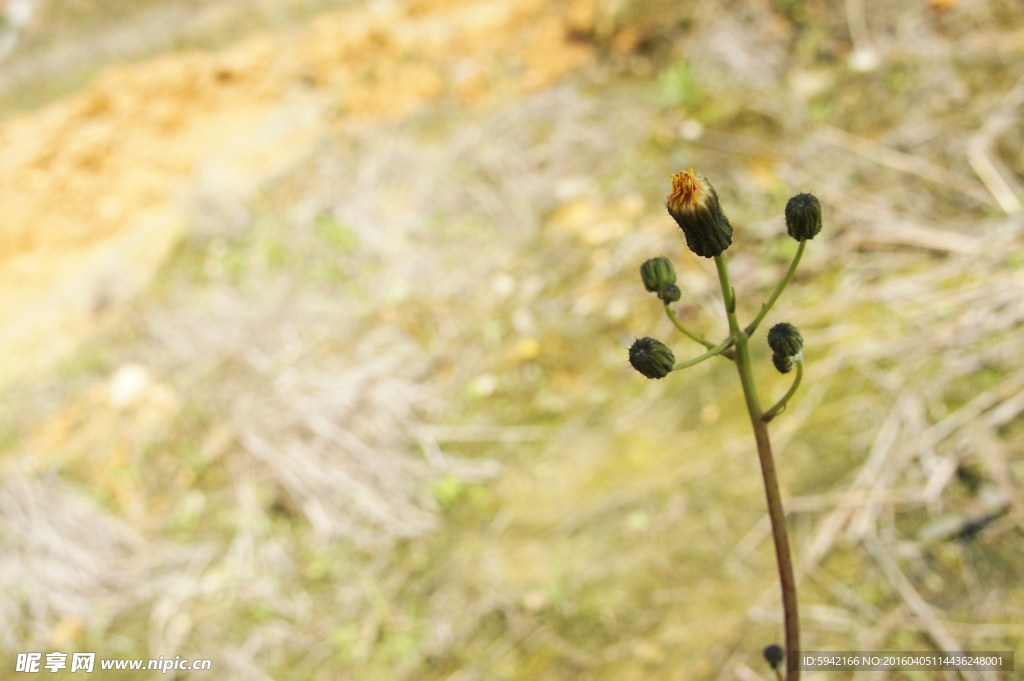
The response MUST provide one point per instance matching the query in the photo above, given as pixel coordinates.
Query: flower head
(693, 204)
(785, 339)
(657, 271)
(774, 655)
(651, 357)
(803, 217)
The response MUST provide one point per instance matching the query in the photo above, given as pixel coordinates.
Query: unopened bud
(693, 204)
(785, 339)
(774, 655)
(784, 363)
(657, 271)
(651, 357)
(803, 217)
(669, 293)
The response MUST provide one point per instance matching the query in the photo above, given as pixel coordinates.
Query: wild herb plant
(693, 203)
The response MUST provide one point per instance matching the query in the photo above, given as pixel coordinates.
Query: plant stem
(781, 404)
(771, 482)
(752, 326)
(675, 320)
(706, 343)
(717, 350)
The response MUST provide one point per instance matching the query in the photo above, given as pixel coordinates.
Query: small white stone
(535, 601)
(523, 322)
(485, 385)
(19, 12)
(504, 284)
(127, 384)
(691, 129)
(863, 60)
(618, 308)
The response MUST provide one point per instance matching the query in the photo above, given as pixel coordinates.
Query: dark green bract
(657, 272)
(669, 293)
(708, 232)
(785, 339)
(803, 217)
(784, 363)
(651, 357)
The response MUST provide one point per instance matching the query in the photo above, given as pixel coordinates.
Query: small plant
(693, 203)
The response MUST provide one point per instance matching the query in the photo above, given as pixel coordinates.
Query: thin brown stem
(787, 577)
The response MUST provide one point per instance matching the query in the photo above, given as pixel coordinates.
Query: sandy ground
(98, 187)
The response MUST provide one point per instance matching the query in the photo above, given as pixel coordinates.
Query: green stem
(672, 315)
(717, 350)
(706, 343)
(781, 404)
(752, 326)
(776, 514)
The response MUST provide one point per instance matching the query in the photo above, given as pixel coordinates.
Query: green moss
(336, 233)
(448, 489)
(344, 640)
(677, 87)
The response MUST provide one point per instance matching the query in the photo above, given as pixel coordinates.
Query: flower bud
(652, 358)
(784, 363)
(774, 655)
(803, 217)
(693, 204)
(785, 339)
(657, 271)
(669, 293)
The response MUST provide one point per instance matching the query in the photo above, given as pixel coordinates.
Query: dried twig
(829, 528)
(980, 155)
(906, 163)
(920, 608)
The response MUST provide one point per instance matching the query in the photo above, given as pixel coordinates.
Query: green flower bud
(774, 655)
(652, 358)
(803, 217)
(784, 363)
(785, 339)
(657, 271)
(693, 204)
(669, 293)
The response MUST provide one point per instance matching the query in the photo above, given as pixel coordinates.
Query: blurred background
(314, 317)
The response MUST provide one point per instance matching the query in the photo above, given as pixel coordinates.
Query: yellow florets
(688, 189)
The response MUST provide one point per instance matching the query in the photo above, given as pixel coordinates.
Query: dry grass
(385, 427)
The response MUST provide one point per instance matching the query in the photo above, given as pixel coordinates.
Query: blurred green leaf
(336, 234)
(678, 87)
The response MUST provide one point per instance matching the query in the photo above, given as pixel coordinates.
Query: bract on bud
(651, 357)
(669, 293)
(785, 339)
(784, 363)
(803, 217)
(657, 271)
(693, 204)
(774, 655)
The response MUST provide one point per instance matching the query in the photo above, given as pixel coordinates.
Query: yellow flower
(693, 204)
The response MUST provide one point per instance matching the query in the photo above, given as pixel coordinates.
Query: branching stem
(675, 320)
(752, 326)
(717, 350)
(706, 343)
(764, 450)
